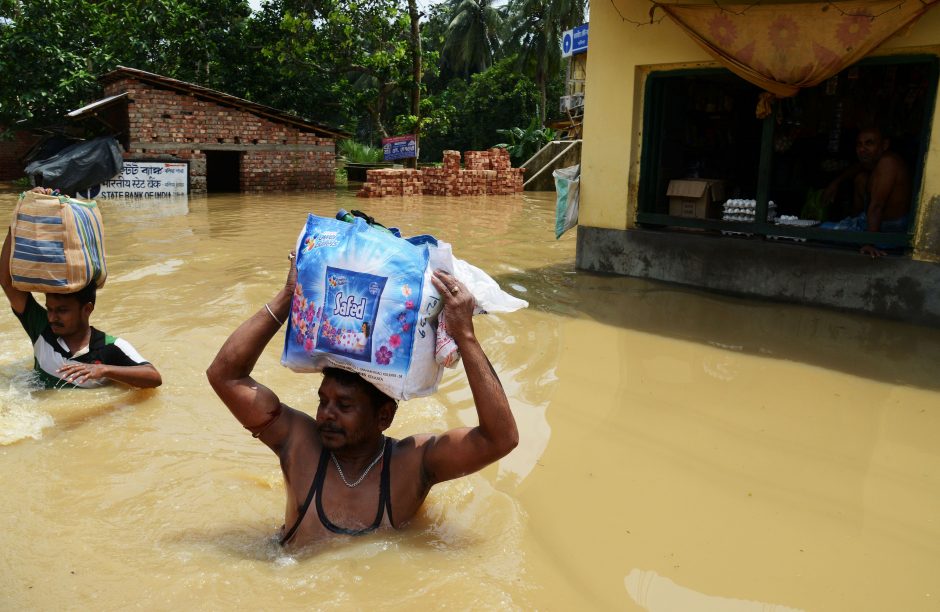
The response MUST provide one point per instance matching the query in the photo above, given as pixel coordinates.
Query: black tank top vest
(316, 489)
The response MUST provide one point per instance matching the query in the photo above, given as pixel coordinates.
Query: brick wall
(485, 173)
(275, 170)
(161, 117)
(11, 155)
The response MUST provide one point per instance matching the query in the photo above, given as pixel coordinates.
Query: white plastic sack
(489, 297)
(568, 191)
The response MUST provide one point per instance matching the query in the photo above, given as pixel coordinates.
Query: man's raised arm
(463, 451)
(17, 298)
(256, 407)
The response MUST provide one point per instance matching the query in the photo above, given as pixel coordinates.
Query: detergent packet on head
(364, 302)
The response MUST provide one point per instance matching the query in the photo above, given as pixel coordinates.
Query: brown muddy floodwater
(679, 451)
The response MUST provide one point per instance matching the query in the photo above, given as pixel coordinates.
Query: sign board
(146, 180)
(400, 147)
(574, 41)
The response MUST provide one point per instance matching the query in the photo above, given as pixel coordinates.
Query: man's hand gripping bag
(364, 302)
(58, 244)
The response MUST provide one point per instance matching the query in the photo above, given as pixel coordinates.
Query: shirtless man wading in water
(342, 474)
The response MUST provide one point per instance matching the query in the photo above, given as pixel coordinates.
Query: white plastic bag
(568, 193)
(489, 297)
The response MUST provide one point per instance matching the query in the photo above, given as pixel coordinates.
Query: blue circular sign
(566, 43)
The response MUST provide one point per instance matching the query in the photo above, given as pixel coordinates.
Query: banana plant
(523, 143)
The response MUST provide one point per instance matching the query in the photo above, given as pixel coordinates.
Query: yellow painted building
(646, 85)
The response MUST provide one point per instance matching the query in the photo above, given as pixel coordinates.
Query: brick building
(13, 152)
(230, 144)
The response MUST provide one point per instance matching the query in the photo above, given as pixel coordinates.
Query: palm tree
(415, 47)
(536, 30)
(471, 41)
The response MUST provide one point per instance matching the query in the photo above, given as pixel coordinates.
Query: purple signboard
(400, 147)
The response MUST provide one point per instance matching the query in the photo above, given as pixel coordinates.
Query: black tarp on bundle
(79, 166)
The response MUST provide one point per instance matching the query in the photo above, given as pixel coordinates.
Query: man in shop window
(881, 182)
(68, 351)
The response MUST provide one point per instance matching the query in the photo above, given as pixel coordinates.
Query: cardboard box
(699, 198)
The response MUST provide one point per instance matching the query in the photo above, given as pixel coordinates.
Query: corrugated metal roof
(96, 105)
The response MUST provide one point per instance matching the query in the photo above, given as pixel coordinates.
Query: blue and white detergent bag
(364, 302)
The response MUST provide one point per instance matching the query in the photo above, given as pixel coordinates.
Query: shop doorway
(700, 125)
(223, 171)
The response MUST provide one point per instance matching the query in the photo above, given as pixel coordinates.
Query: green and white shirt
(51, 352)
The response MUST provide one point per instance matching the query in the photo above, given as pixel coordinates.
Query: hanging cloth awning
(785, 47)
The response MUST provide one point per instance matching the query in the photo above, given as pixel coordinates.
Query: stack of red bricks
(391, 182)
(443, 180)
(485, 173)
(500, 177)
(450, 180)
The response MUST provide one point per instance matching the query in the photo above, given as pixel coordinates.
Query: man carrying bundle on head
(340, 461)
(68, 351)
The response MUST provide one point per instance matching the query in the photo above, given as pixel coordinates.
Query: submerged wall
(891, 287)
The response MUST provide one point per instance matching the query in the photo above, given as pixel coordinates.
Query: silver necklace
(364, 474)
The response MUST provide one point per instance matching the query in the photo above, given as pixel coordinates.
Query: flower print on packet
(304, 319)
(399, 341)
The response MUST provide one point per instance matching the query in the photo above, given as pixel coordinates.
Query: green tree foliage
(347, 63)
(523, 143)
(472, 113)
(442, 121)
(536, 30)
(362, 48)
(43, 67)
(358, 152)
(52, 51)
(497, 98)
(472, 39)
